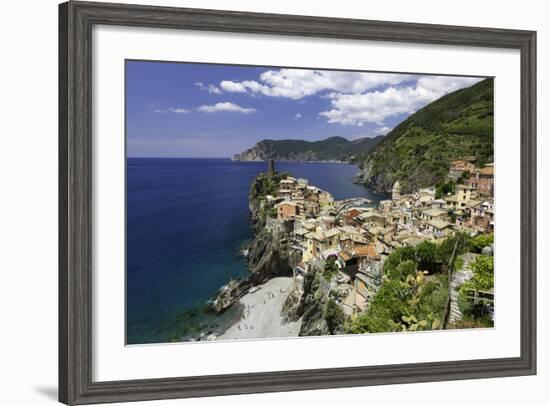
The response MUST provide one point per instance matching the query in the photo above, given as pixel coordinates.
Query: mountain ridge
(332, 149)
(418, 151)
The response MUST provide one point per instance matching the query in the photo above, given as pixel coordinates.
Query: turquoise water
(186, 222)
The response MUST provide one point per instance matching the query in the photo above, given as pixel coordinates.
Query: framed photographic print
(257, 202)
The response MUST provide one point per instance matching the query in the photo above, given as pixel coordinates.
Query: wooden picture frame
(76, 20)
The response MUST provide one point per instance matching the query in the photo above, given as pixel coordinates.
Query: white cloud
(159, 111)
(299, 83)
(297, 116)
(234, 87)
(178, 110)
(210, 88)
(374, 107)
(382, 130)
(226, 106)
(353, 98)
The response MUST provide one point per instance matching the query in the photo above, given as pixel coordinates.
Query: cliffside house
(319, 241)
(309, 208)
(350, 236)
(432, 214)
(439, 203)
(286, 188)
(279, 225)
(371, 219)
(463, 194)
(286, 210)
(285, 194)
(482, 216)
(458, 167)
(439, 228)
(357, 255)
(483, 180)
(400, 218)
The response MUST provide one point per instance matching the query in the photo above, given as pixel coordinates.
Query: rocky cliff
(269, 254)
(315, 306)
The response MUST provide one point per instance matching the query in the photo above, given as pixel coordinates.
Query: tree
(397, 256)
(483, 279)
(385, 311)
(444, 188)
(480, 241)
(428, 257)
(446, 248)
(408, 304)
(331, 268)
(334, 317)
(405, 269)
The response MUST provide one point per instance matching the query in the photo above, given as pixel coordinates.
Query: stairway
(459, 277)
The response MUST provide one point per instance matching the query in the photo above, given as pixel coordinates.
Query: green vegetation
(480, 241)
(330, 149)
(414, 294)
(483, 268)
(419, 150)
(409, 304)
(266, 184)
(331, 269)
(334, 316)
(474, 315)
(263, 185)
(444, 188)
(475, 312)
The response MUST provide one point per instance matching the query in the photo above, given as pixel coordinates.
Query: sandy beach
(262, 313)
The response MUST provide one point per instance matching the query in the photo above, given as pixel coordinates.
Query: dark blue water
(186, 220)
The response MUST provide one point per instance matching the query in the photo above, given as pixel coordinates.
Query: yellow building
(319, 241)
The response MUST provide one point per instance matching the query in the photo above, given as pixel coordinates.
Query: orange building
(286, 210)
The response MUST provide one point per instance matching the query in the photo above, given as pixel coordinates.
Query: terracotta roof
(487, 170)
(365, 251)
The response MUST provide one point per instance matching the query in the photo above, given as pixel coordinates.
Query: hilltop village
(353, 238)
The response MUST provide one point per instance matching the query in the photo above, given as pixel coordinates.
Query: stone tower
(271, 166)
(396, 191)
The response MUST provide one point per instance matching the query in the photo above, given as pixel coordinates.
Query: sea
(186, 225)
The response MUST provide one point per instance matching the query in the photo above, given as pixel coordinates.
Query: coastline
(332, 161)
(261, 313)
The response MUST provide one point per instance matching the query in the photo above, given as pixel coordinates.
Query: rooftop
(487, 170)
(435, 212)
(439, 224)
(285, 203)
(365, 251)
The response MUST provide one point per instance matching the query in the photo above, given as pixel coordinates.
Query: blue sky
(206, 110)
